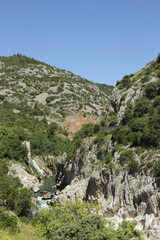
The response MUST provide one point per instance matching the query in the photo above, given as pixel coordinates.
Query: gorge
(103, 142)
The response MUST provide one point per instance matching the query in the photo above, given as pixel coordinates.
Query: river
(47, 186)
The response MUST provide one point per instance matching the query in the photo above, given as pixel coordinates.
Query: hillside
(113, 158)
(118, 164)
(32, 91)
(41, 108)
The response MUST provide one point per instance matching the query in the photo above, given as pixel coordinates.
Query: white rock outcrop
(27, 180)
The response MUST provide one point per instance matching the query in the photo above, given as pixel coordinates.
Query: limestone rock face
(42, 165)
(122, 196)
(76, 190)
(79, 168)
(64, 174)
(121, 96)
(27, 180)
(119, 106)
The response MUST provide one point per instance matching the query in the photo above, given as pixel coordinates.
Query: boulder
(48, 195)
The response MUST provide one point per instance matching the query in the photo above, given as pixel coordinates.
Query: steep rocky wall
(124, 94)
(122, 196)
(123, 193)
(27, 180)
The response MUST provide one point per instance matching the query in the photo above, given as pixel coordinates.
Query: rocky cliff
(119, 167)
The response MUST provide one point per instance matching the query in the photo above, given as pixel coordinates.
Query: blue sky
(100, 40)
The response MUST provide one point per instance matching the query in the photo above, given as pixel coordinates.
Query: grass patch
(28, 232)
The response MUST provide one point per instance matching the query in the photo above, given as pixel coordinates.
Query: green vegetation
(81, 221)
(11, 146)
(22, 105)
(141, 122)
(18, 60)
(26, 78)
(43, 144)
(126, 156)
(88, 130)
(125, 82)
(8, 221)
(27, 231)
(15, 197)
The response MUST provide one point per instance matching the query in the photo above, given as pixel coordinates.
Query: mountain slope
(37, 90)
(119, 163)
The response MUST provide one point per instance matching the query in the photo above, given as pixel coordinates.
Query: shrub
(8, 221)
(156, 101)
(123, 97)
(108, 158)
(23, 202)
(158, 58)
(127, 115)
(133, 166)
(1, 97)
(100, 138)
(116, 148)
(145, 79)
(126, 156)
(152, 89)
(141, 107)
(11, 143)
(122, 135)
(78, 220)
(158, 74)
(125, 82)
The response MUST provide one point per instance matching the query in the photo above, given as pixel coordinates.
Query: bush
(156, 101)
(1, 97)
(78, 220)
(141, 107)
(126, 156)
(128, 115)
(152, 89)
(8, 222)
(122, 135)
(123, 97)
(11, 143)
(125, 83)
(133, 166)
(16, 198)
(100, 138)
(145, 79)
(108, 158)
(158, 58)
(23, 202)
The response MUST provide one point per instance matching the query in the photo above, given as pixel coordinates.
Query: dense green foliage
(125, 82)
(11, 146)
(42, 143)
(15, 197)
(17, 60)
(74, 221)
(141, 122)
(47, 143)
(8, 221)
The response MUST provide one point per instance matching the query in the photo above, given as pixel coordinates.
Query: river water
(48, 186)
